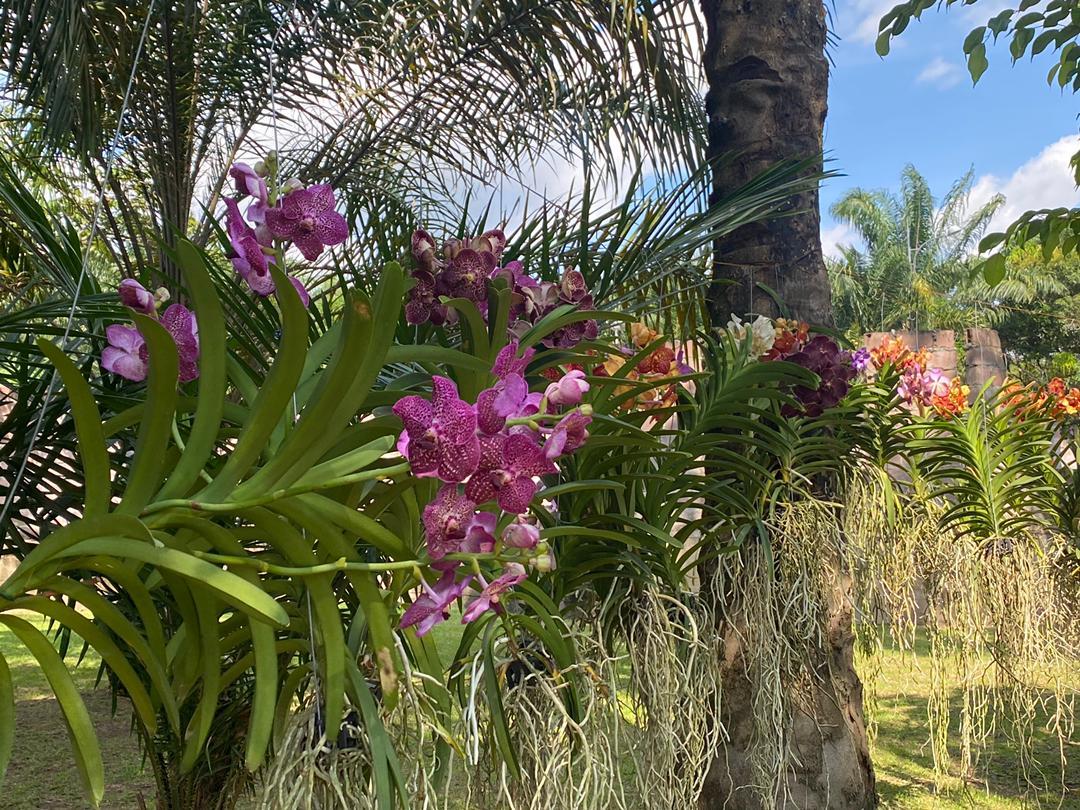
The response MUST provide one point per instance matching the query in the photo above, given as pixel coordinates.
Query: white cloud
(1045, 181)
(867, 14)
(832, 239)
(941, 73)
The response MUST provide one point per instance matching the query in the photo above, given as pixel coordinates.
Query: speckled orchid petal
(307, 218)
(447, 520)
(439, 437)
(492, 594)
(432, 607)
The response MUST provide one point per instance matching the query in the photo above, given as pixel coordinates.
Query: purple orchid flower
(447, 520)
(568, 390)
(520, 534)
(439, 438)
(422, 304)
(307, 218)
(249, 183)
(135, 296)
(181, 324)
(466, 276)
(508, 398)
(493, 242)
(508, 362)
(250, 261)
(423, 250)
(433, 605)
(128, 355)
(568, 435)
(507, 467)
(860, 360)
(123, 355)
(492, 594)
(480, 535)
(834, 368)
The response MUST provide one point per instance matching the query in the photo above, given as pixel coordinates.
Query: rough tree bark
(768, 85)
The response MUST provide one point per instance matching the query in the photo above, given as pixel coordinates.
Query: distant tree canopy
(1042, 339)
(916, 267)
(1053, 28)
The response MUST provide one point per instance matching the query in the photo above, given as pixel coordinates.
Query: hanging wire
(320, 723)
(110, 160)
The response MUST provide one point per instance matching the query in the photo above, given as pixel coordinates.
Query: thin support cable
(272, 87)
(114, 144)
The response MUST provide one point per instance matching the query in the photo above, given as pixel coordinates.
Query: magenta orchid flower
(492, 594)
(520, 534)
(508, 362)
(448, 520)
(480, 535)
(466, 276)
(507, 467)
(439, 438)
(568, 435)
(181, 324)
(433, 606)
(307, 218)
(135, 296)
(128, 355)
(422, 304)
(423, 250)
(249, 183)
(508, 398)
(250, 261)
(568, 390)
(123, 355)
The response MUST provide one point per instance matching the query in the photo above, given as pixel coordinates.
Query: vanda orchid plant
(296, 542)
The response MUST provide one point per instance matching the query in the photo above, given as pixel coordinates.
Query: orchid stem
(340, 564)
(281, 494)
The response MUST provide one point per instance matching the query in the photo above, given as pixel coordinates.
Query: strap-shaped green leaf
(275, 396)
(265, 652)
(228, 586)
(439, 355)
(147, 467)
(211, 320)
(202, 720)
(391, 790)
(493, 694)
(104, 645)
(113, 618)
(330, 412)
(67, 536)
(7, 717)
(93, 452)
(353, 461)
(80, 728)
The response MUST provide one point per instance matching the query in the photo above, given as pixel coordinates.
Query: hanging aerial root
(999, 618)
(313, 770)
(673, 693)
(776, 603)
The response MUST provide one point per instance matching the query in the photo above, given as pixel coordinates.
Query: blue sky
(918, 106)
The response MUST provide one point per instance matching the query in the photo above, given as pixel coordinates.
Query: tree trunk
(768, 82)
(831, 768)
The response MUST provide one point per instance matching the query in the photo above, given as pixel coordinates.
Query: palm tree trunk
(768, 82)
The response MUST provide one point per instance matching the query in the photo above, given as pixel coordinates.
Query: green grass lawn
(904, 765)
(42, 773)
